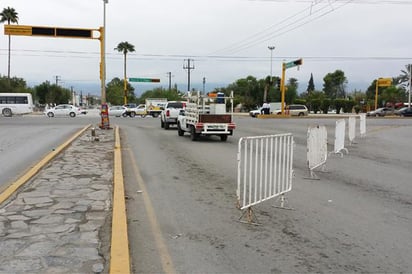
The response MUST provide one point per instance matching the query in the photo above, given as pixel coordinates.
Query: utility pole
(188, 67)
(57, 79)
(169, 75)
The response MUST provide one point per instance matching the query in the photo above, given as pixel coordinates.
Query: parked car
(380, 112)
(62, 110)
(297, 110)
(405, 112)
(117, 111)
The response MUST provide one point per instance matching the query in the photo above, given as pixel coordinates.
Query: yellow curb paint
(119, 252)
(36, 168)
(267, 116)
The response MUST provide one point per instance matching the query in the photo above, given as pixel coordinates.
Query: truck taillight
(232, 126)
(199, 125)
(167, 113)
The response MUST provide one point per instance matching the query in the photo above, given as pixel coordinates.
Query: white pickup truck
(169, 115)
(206, 115)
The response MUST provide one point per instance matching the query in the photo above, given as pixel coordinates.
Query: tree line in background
(249, 92)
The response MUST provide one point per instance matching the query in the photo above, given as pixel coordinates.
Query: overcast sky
(227, 39)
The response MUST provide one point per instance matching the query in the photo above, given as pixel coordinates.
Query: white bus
(15, 103)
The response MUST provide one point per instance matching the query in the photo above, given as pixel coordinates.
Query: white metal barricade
(362, 125)
(352, 129)
(340, 137)
(317, 149)
(264, 169)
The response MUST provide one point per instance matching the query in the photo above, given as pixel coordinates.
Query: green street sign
(294, 63)
(145, 80)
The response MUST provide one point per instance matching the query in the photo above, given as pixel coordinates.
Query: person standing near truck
(266, 108)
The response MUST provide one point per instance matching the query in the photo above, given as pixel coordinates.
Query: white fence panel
(340, 137)
(317, 148)
(264, 168)
(352, 129)
(362, 124)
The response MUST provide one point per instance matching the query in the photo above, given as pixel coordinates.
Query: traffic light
(298, 62)
(48, 31)
(278, 81)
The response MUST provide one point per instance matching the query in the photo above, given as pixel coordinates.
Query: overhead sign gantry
(50, 31)
(59, 32)
(285, 66)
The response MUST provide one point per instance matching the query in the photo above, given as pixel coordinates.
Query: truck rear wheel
(193, 135)
(223, 138)
(166, 125)
(180, 132)
(162, 124)
(132, 114)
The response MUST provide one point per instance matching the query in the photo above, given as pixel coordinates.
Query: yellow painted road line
(119, 252)
(165, 258)
(36, 168)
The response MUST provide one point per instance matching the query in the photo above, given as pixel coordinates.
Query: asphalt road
(182, 214)
(181, 198)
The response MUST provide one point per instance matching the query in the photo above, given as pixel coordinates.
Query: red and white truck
(207, 115)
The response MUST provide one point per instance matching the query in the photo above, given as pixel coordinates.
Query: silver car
(117, 111)
(380, 112)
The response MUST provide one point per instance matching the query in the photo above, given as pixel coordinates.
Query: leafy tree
(52, 94)
(125, 47)
(170, 95)
(348, 106)
(9, 15)
(314, 100)
(325, 105)
(334, 84)
(115, 92)
(339, 104)
(248, 91)
(291, 91)
(13, 85)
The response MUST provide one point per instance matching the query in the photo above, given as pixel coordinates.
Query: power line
(223, 58)
(280, 29)
(287, 25)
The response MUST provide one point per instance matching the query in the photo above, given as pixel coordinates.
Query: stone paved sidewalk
(60, 221)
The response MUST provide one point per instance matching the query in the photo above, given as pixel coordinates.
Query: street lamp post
(271, 48)
(267, 86)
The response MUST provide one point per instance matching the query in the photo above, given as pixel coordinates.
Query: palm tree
(125, 47)
(404, 78)
(9, 15)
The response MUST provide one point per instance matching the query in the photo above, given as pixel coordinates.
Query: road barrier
(362, 125)
(351, 129)
(317, 149)
(340, 137)
(264, 169)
